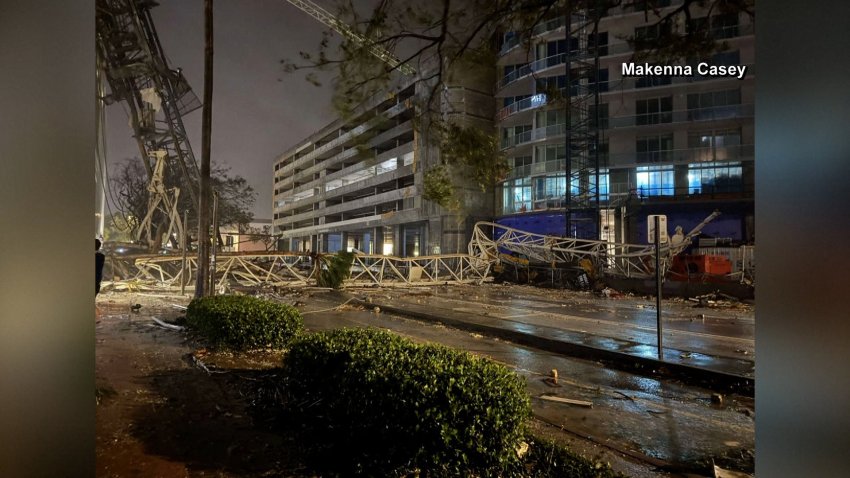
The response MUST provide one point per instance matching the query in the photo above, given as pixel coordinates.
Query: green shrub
(243, 322)
(372, 403)
(336, 269)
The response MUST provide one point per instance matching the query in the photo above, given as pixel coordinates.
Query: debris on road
(624, 395)
(552, 398)
(721, 473)
(166, 325)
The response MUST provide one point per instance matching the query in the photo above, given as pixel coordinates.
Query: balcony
(344, 138)
(744, 152)
(537, 134)
(530, 68)
(716, 113)
(529, 103)
(540, 29)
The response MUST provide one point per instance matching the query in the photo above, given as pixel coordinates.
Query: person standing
(99, 260)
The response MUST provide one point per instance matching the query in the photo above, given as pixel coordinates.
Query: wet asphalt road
(719, 338)
(654, 420)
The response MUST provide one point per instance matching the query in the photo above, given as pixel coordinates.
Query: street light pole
(658, 284)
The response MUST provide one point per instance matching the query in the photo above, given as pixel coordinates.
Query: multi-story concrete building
(358, 184)
(675, 145)
(680, 145)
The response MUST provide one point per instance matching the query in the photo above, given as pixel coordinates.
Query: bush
(334, 270)
(372, 403)
(243, 322)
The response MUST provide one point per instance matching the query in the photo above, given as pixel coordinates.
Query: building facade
(358, 184)
(676, 145)
(680, 145)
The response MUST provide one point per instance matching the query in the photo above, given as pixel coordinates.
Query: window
(713, 105)
(603, 151)
(654, 110)
(517, 196)
(654, 149)
(724, 26)
(603, 81)
(603, 184)
(407, 159)
(551, 118)
(520, 161)
(726, 58)
(714, 139)
(714, 145)
(509, 69)
(516, 135)
(603, 42)
(655, 180)
(551, 84)
(590, 185)
(603, 114)
(653, 80)
(551, 153)
(647, 35)
(513, 99)
(714, 177)
(549, 191)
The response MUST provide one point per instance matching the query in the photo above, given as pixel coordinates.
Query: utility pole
(183, 271)
(206, 130)
(214, 243)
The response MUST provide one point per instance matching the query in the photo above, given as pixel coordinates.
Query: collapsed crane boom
(332, 22)
(491, 241)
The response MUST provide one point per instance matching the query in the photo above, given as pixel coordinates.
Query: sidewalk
(716, 353)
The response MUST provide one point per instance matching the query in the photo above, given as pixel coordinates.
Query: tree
(262, 235)
(441, 37)
(129, 186)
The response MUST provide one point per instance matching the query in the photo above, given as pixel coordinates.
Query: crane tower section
(130, 55)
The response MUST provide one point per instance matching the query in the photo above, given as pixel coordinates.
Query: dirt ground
(160, 415)
(167, 407)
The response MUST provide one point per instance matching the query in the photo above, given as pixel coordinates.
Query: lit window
(656, 181)
(715, 177)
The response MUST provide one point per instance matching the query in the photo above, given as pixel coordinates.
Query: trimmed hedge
(244, 322)
(368, 402)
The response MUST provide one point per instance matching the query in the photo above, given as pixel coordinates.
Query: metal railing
(536, 134)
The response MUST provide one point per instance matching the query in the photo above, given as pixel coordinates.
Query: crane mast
(131, 59)
(130, 56)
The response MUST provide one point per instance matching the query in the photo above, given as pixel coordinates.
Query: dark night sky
(258, 110)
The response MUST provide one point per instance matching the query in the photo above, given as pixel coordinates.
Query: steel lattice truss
(293, 269)
(131, 57)
(495, 242)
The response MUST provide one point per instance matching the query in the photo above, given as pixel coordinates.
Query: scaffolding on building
(582, 119)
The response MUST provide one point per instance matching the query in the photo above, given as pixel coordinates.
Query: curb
(690, 375)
